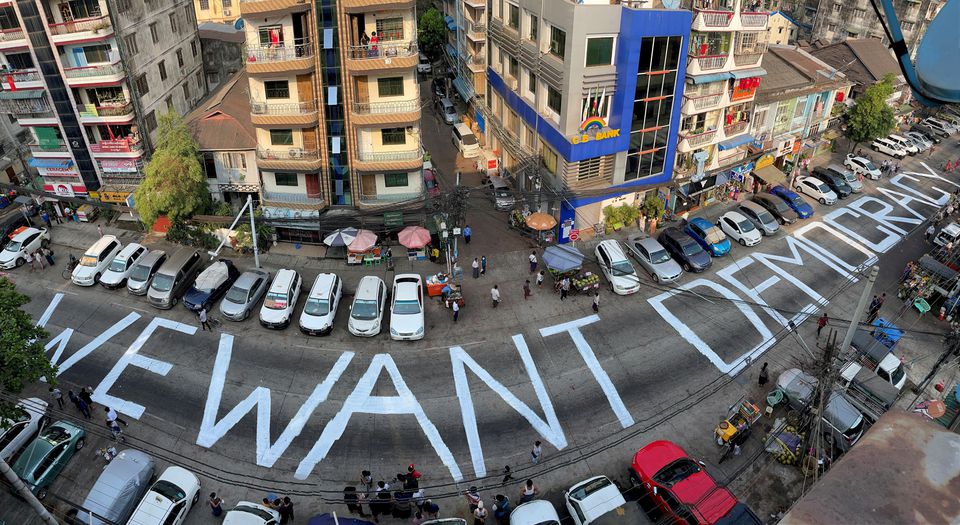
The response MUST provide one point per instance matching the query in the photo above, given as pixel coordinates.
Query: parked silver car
(118, 489)
(244, 295)
(654, 258)
(760, 217)
(843, 423)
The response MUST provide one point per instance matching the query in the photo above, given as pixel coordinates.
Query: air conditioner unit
(296, 153)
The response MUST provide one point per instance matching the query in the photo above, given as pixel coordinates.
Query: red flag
(13, 86)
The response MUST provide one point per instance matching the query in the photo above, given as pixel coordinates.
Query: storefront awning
(21, 94)
(749, 73)
(706, 79)
(466, 92)
(451, 51)
(735, 141)
(50, 163)
(771, 175)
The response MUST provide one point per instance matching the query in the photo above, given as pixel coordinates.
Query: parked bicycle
(67, 272)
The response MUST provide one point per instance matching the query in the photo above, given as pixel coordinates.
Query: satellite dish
(936, 63)
(238, 24)
(671, 4)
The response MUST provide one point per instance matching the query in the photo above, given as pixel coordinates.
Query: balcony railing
(375, 108)
(391, 197)
(123, 145)
(388, 156)
(751, 58)
(701, 102)
(716, 18)
(283, 108)
(709, 62)
(279, 53)
(293, 198)
(21, 75)
(59, 147)
(9, 35)
(290, 153)
(695, 140)
(736, 128)
(95, 24)
(383, 50)
(93, 71)
(753, 19)
(119, 110)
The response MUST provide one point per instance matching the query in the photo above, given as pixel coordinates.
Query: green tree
(23, 359)
(871, 117)
(174, 183)
(431, 33)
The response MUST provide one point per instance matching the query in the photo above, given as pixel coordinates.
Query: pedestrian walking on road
(113, 416)
(596, 302)
(38, 256)
(431, 510)
(476, 268)
(928, 235)
(100, 230)
(501, 509)
(533, 261)
(86, 394)
(58, 396)
(29, 259)
(821, 322)
(495, 295)
(216, 505)
(564, 288)
(479, 514)
(456, 311)
(467, 233)
(540, 277)
(84, 409)
(472, 495)
(526, 290)
(907, 270)
(366, 482)
(883, 297)
(483, 265)
(528, 492)
(45, 217)
(204, 325)
(536, 452)
(74, 398)
(286, 511)
(873, 313)
(48, 255)
(764, 376)
(116, 431)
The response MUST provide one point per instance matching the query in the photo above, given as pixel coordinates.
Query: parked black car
(834, 180)
(210, 285)
(685, 249)
(775, 205)
(439, 87)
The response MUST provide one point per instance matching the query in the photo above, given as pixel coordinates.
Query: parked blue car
(711, 238)
(796, 202)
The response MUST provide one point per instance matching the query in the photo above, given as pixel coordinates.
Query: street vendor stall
(364, 249)
(565, 261)
(415, 239)
(86, 213)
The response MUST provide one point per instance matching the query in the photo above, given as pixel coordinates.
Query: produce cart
(739, 419)
(584, 282)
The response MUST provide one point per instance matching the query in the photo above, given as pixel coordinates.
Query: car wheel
(45, 243)
(656, 278)
(96, 278)
(686, 267)
(42, 493)
(823, 201)
(196, 497)
(80, 443)
(743, 242)
(19, 262)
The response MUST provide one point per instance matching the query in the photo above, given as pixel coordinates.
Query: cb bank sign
(593, 129)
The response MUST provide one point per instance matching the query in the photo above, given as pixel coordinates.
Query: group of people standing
(404, 502)
(40, 259)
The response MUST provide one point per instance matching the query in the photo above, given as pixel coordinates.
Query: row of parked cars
(182, 276)
(920, 138)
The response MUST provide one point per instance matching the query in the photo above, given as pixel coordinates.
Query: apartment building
(831, 21)
(466, 55)
(88, 79)
(583, 101)
(781, 29)
(336, 107)
(217, 11)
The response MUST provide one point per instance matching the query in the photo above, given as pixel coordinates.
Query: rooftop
(221, 122)
(794, 71)
(864, 60)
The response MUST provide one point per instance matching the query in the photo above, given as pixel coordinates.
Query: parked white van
(96, 260)
(890, 148)
(121, 266)
(321, 307)
(281, 300)
(905, 144)
(465, 141)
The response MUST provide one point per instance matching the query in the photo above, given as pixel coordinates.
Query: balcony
(263, 7)
(383, 113)
(391, 198)
(125, 147)
(12, 38)
(302, 201)
(283, 113)
(476, 4)
(477, 32)
(698, 103)
(22, 78)
(750, 57)
(96, 74)
(112, 113)
(81, 30)
(736, 128)
(714, 19)
(290, 158)
(267, 60)
(49, 150)
(411, 159)
(708, 62)
(753, 20)
(692, 141)
(360, 6)
(362, 60)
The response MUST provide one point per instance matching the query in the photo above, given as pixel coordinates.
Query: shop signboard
(119, 166)
(276, 212)
(63, 190)
(764, 161)
(393, 219)
(111, 146)
(118, 197)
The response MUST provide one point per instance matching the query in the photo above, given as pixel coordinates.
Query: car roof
(698, 491)
(752, 206)
(24, 234)
(118, 482)
(101, 244)
(368, 287)
(656, 455)
(677, 234)
(613, 248)
(649, 243)
(322, 285)
(534, 512)
(128, 250)
(734, 216)
(248, 277)
(406, 285)
(282, 280)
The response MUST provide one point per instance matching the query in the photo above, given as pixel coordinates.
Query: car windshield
(823, 188)
(691, 248)
(169, 490)
(316, 306)
(468, 140)
(140, 273)
(162, 283)
(276, 301)
(798, 201)
(14, 246)
(659, 256)
(450, 110)
(622, 268)
(869, 165)
(746, 226)
(262, 514)
(587, 489)
(117, 265)
(89, 260)
(406, 307)
(850, 177)
(54, 435)
(897, 375)
(765, 217)
(364, 310)
(677, 471)
(237, 295)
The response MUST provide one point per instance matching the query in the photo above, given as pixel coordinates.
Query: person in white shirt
(533, 261)
(495, 295)
(456, 310)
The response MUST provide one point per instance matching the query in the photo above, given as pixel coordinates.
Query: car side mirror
(654, 490)
(702, 464)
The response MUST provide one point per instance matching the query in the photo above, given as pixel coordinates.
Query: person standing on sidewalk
(45, 217)
(495, 295)
(48, 255)
(456, 311)
(533, 261)
(467, 233)
(764, 376)
(536, 452)
(216, 505)
(526, 290)
(821, 323)
(476, 268)
(483, 265)
(564, 288)
(928, 235)
(58, 396)
(286, 510)
(540, 277)
(596, 302)
(100, 230)
(113, 416)
(203, 320)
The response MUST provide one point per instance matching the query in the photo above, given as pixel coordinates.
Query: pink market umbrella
(414, 237)
(365, 240)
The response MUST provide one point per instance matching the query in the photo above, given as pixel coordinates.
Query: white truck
(878, 358)
(866, 390)
(948, 233)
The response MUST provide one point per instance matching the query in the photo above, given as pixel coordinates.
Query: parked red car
(675, 486)
(430, 182)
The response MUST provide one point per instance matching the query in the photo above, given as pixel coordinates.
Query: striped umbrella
(341, 237)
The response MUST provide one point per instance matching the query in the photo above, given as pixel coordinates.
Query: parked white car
(29, 419)
(281, 299)
(122, 265)
(406, 311)
(424, 66)
(369, 303)
(616, 267)
(591, 499)
(862, 166)
(96, 260)
(249, 513)
(28, 241)
(887, 147)
(320, 309)
(169, 499)
(815, 188)
(536, 512)
(739, 228)
(939, 126)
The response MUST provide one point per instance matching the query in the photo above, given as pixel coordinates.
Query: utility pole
(25, 493)
(861, 305)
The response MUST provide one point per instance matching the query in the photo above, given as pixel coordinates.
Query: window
(180, 57)
(528, 137)
(204, 5)
(276, 89)
(390, 28)
(150, 121)
(393, 136)
(558, 41)
(549, 158)
(143, 87)
(95, 54)
(20, 60)
(153, 33)
(390, 87)
(270, 36)
(193, 48)
(599, 51)
(286, 179)
(652, 107)
(554, 99)
(281, 137)
(130, 42)
(534, 27)
(186, 92)
(162, 66)
(589, 169)
(169, 102)
(199, 77)
(123, 6)
(532, 82)
(173, 23)
(837, 8)
(513, 67)
(513, 16)
(395, 180)
(227, 4)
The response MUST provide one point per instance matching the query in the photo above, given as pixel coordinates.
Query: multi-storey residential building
(466, 54)
(336, 107)
(728, 39)
(218, 11)
(583, 100)
(89, 78)
(781, 29)
(793, 108)
(830, 21)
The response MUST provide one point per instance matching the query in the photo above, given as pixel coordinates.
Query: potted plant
(653, 209)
